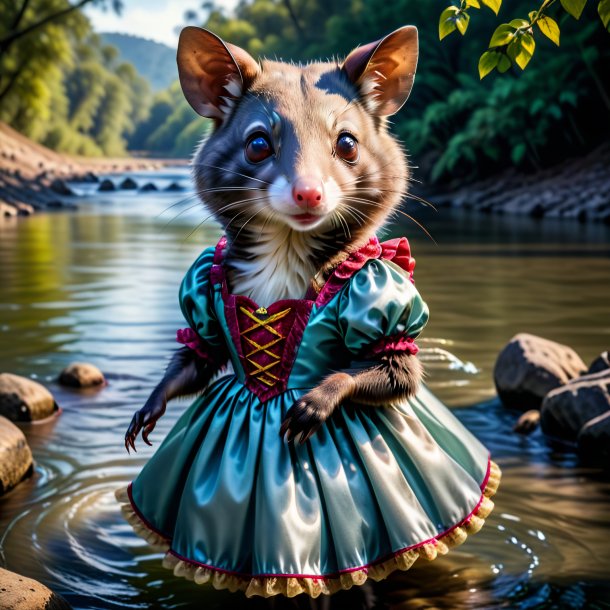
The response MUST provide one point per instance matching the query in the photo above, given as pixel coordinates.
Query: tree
(513, 43)
(16, 29)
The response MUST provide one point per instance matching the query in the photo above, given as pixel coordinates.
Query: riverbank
(577, 189)
(33, 177)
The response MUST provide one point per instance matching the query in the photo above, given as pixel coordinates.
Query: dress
(234, 504)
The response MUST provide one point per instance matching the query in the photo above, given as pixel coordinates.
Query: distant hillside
(154, 61)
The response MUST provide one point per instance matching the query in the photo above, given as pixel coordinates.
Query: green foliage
(172, 128)
(515, 40)
(527, 121)
(72, 92)
(548, 26)
(455, 126)
(574, 7)
(603, 9)
(62, 87)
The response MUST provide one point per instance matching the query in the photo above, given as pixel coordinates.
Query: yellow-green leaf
(503, 35)
(521, 50)
(574, 7)
(504, 63)
(461, 22)
(446, 24)
(487, 62)
(528, 43)
(494, 5)
(519, 23)
(473, 3)
(548, 26)
(603, 8)
(531, 15)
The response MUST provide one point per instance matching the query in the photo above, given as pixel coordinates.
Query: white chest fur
(281, 267)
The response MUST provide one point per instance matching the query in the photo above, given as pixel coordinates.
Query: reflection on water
(101, 285)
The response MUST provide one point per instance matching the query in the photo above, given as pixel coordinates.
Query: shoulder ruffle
(396, 250)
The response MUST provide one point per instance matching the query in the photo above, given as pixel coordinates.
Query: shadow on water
(101, 284)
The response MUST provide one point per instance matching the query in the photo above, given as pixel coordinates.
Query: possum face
(306, 147)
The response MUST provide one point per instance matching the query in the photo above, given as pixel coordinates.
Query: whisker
(405, 195)
(198, 193)
(351, 213)
(226, 169)
(374, 203)
(224, 208)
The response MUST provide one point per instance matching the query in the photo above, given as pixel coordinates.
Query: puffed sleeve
(381, 311)
(203, 334)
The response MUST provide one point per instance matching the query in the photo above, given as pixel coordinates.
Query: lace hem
(290, 585)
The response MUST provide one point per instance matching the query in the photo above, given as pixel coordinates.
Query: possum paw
(308, 413)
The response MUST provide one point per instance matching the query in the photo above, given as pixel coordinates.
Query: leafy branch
(513, 43)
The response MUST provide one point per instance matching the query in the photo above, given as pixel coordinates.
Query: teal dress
(232, 503)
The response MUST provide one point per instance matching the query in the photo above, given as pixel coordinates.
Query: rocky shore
(33, 177)
(556, 389)
(577, 189)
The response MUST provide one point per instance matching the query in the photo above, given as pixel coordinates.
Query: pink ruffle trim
(396, 250)
(395, 343)
(189, 338)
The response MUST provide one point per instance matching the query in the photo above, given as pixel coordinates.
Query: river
(100, 285)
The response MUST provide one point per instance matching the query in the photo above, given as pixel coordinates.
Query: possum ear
(384, 70)
(213, 74)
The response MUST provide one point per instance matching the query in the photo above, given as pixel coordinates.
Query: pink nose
(308, 192)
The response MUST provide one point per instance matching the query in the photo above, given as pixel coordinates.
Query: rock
(22, 399)
(60, 187)
(529, 367)
(594, 441)
(128, 184)
(7, 210)
(15, 455)
(567, 409)
(528, 422)
(89, 177)
(81, 375)
(601, 363)
(20, 593)
(149, 186)
(106, 185)
(173, 187)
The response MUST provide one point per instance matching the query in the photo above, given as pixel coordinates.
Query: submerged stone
(594, 441)
(529, 367)
(81, 375)
(601, 363)
(566, 410)
(106, 185)
(174, 187)
(15, 456)
(20, 593)
(22, 399)
(128, 184)
(60, 187)
(149, 186)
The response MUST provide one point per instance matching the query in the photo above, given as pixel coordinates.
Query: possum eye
(258, 148)
(347, 147)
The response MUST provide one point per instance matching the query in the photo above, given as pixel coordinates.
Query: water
(100, 285)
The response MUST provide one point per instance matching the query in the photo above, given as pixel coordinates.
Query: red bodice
(267, 339)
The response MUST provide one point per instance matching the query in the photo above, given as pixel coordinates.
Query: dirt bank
(577, 189)
(32, 176)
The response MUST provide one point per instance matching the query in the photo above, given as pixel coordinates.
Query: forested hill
(154, 61)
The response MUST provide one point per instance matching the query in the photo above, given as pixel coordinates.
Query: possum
(300, 169)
